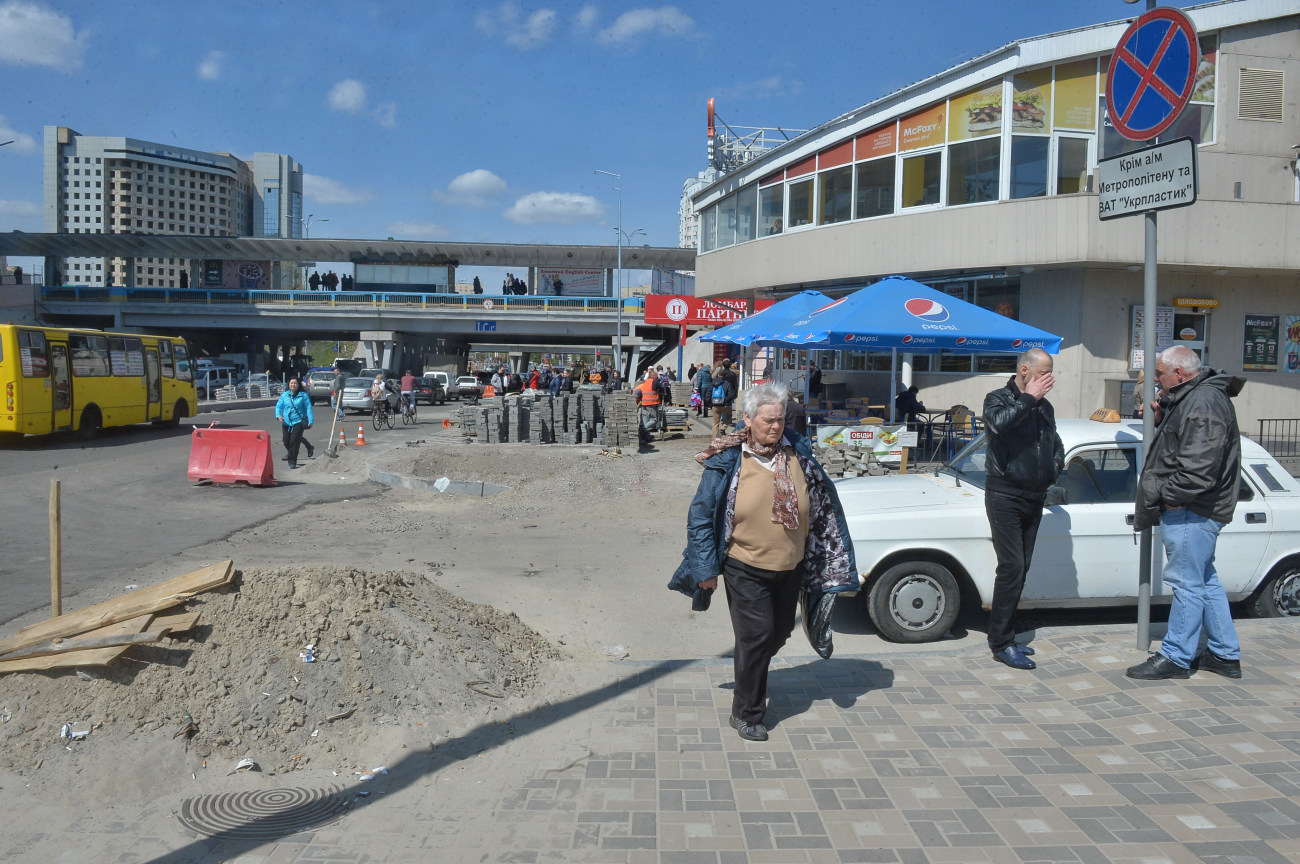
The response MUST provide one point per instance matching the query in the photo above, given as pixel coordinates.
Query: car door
(1243, 542)
(1086, 547)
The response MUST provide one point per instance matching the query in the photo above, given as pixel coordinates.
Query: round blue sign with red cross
(1151, 74)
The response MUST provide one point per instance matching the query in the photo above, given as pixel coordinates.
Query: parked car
(318, 383)
(428, 388)
(468, 387)
(356, 395)
(923, 544)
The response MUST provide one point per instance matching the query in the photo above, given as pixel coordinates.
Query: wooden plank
(90, 657)
(155, 598)
(82, 644)
(178, 622)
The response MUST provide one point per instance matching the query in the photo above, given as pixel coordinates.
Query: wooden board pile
(97, 635)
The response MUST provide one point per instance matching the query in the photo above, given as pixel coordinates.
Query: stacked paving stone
(841, 461)
(679, 392)
(585, 417)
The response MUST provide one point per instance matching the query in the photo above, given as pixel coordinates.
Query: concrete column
(451, 279)
(532, 280)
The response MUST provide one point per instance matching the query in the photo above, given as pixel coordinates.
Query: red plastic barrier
(232, 456)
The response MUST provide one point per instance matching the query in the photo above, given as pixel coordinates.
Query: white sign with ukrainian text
(1153, 178)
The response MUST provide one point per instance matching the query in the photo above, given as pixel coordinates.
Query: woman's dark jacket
(828, 562)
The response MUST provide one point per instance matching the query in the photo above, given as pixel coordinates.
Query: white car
(923, 545)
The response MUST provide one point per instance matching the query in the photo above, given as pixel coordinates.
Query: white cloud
(23, 143)
(587, 16)
(210, 67)
(416, 230)
(327, 191)
(555, 208)
(764, 88)
(666, 20)
(20, 209)
(348, 96)
(386, 115)
(521, 31)
(32, 34)
(474, 188)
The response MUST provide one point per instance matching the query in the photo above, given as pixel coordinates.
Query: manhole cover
(263, 813)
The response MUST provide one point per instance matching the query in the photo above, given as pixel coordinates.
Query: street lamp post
(618, 335)
(306, 234)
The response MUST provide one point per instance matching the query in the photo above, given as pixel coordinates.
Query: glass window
(165, 358)
(1004, 300)
(183, 370)
(1071, 165)
(875, 188)
(836, 196)
(921, 179)
(1029, 166)
(727, 222)
(746, 214)
(1106, 476)
(89, 356)
(801, 203)
(973, 171)
(772, 202)
(32, 354)
(709, 229)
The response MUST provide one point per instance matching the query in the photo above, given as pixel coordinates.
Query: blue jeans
(1199, 600)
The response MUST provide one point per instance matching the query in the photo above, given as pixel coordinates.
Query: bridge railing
(493, 303)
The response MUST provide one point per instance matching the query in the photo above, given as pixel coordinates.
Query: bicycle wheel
(377, 418)
(406, 416)
(388, 418)
(413, 412)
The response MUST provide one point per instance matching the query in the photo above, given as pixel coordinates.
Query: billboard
(682, 309)
(570, 282)
(237, 275)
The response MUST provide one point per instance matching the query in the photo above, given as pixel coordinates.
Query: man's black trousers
(1014, 521)
(762, 605)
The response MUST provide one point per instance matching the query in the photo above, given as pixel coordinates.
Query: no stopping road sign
(1151, 73)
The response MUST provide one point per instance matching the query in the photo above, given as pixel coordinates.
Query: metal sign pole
(1145, 549)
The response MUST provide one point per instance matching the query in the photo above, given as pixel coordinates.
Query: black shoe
(311, 452)
(1211, 662)
(748, 731)
(1157, 667)
(293, 466)
(1014, 656)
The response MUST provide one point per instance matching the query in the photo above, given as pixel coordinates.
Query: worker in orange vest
(648, 395)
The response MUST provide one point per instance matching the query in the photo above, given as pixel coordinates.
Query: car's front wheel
(1279, 596)
(915, 601)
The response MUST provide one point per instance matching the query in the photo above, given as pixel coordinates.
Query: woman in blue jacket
(767, 520)
(293, 410)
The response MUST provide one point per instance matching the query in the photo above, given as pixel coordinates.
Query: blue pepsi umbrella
(900, 313)
(773, 319)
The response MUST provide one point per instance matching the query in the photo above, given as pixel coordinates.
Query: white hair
(763, 394)
(1181, 357)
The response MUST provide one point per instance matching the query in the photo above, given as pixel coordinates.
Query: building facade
(96, 184)
(980, 181)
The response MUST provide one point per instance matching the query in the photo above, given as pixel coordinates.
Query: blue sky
(471, 121)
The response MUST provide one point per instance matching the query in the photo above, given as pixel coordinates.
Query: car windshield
(357, 382)
(968, 465)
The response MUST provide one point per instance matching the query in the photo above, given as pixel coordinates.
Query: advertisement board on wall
(1259, 349)
(975, 114)
(212, 273)
(570, 282)
(237, 275)
(1292, 344)
(680, 309)
(1164, 316)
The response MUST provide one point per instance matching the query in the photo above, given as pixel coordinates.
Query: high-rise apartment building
(99, 184)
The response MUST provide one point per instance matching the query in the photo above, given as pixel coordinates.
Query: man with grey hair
(1025, 456)
(1188, 486)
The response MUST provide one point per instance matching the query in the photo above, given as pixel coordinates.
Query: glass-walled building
(981, 181)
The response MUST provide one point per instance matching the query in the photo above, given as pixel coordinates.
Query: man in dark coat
(1025, 456)
(1188, 486)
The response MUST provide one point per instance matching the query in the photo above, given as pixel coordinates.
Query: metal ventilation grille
(1260, 95)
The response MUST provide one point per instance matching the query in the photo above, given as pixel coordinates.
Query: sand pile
(391, 651)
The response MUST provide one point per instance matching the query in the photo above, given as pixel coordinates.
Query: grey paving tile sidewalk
(922, 758)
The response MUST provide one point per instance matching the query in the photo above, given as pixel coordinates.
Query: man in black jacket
(1025, 456)
(1189, 487)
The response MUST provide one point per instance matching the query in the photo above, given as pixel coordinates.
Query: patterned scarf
(785, 503)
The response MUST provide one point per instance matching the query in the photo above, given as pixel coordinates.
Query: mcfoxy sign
(698, 311)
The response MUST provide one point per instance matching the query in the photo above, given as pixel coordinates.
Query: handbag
(817, 607)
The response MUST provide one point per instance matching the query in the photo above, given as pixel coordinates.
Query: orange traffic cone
(343, 439)
(361, 435)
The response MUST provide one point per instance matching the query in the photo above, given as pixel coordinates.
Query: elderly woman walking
(767, 521)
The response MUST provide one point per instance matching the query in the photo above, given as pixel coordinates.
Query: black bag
(817, 608)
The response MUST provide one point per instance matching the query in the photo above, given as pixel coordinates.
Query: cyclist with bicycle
(408, 392)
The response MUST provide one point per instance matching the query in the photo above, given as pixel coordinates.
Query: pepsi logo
(1016, 343)
(907, 340)
(926, 310)
(816, 312)
(961, 340)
